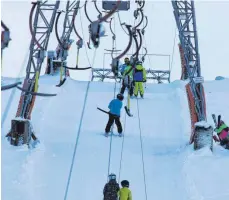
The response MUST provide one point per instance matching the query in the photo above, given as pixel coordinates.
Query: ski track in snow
(172, 170)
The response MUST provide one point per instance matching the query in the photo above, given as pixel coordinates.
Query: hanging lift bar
(5, 39)
(100, 14)
(113, 41)
(95, 26)
(10, 86)
(143, 57)
(5, 36)
(134, 57)
(65, 41)
(115, 61)
(143, 29)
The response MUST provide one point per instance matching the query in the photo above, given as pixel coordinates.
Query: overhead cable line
(12, 94)
(84, 39)
(78, 133)
(121, 156)
(142, 153)
(174, 42)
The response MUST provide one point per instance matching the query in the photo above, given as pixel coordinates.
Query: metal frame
(158, 75)
(106, 73)
(70, 13)
(101, 74)
(40, 36)
(64, 42)
(184, 12)
(38, 47)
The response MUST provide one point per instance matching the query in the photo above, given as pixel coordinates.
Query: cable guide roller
(109, 5)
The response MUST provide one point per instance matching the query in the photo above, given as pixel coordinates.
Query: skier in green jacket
(139, 78)
(127, 73)
(125, 193)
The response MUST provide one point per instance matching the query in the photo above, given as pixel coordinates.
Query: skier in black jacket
(111, 188)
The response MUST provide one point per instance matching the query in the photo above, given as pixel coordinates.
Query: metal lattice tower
(184, 12)
(40, 35)
(40, 29)
(70, 13)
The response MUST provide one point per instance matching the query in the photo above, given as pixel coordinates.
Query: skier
(110, 191)
(114, 115)
(223, 134)
(123, 66)
(127, 81)
(139, 78)
(125, 193)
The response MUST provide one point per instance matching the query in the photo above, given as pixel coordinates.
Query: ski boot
(35, 143)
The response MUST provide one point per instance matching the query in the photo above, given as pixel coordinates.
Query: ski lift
(96, 30)
(5, 36)
(115, 65)
(109, 5)
(79, 43)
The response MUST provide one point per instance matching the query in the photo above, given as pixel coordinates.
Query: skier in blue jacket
(114, 115)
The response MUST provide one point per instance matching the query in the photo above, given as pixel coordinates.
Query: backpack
(138, 75)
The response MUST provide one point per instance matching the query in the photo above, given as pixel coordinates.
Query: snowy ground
(153, 154)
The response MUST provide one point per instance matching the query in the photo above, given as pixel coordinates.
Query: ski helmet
(125, 183)
(120, 96)
(126, 59)
(112, 176)
(139, 62)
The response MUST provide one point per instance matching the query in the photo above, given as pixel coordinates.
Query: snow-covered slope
(72, 161)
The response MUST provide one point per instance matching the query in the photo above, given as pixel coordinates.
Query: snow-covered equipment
(203, 135)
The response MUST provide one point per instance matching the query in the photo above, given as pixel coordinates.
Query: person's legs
(109, 123)
(131, 88)
(123, 88)
(118, 124)
(141, 88)
(136, 89)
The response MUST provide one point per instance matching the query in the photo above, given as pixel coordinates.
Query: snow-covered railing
(158, 75)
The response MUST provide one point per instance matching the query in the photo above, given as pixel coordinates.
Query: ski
(219, 119)
(128, 112)
(214, 119)
(112, 134)
(216, 139)
(61, 83)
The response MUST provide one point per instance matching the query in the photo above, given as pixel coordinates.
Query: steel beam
(41, 29)
(159, 75)
(184, 12)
